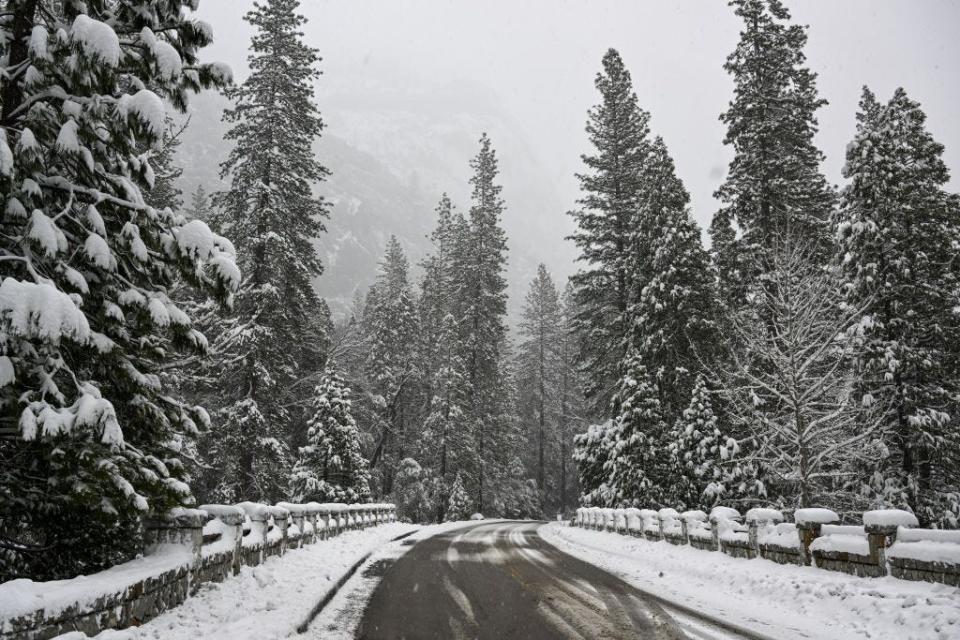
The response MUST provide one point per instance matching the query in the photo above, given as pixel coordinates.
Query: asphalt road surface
(502, 581)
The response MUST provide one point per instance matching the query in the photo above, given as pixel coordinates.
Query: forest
(161, 348)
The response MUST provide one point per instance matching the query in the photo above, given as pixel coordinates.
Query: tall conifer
(272, 216)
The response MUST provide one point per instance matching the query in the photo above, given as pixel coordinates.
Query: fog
(403, 79)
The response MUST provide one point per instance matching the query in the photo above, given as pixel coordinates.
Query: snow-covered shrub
(414, 492)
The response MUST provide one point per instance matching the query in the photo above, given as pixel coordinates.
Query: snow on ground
(340, 618)
(773, 599)
(267, 601)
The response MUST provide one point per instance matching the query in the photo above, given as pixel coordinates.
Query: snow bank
(23, 597)
(842, 538)
(670, 521)
(782, 535)
(268, 601)
(651, 520)
(777, 601)
(929, 545)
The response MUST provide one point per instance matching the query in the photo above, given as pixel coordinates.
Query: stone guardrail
(183, 550)
(887, 543)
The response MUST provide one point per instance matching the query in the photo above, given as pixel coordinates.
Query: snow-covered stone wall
(183, 550)
(886, 543)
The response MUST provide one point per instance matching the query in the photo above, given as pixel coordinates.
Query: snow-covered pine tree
(617, 130)
(391, 366)
(445, 438)
(591, 451)
(538, 373)
(481, 307)
(88, 432)
(437, 288)
(639, 467)
(331, 466)
(773, 185)
(694, 444)
(788, 390)
(200, 206)
(674, 311)
(273, 216)
(414, 492)
(459, 505)
(899, 234)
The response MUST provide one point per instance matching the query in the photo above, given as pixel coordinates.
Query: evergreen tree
(391, 367)
(331, 467)
(448, 442)
(592, 451)
(773, 185)
(899, 233)
(481, 308)
(437, 288)
(674, 312)
(200, 206)
(694, 446)
(611, 187)
(89, 431)
(271, 214)
(540, 327)
(413, 492)
(639, 471)
(458, 507)
(440, 354)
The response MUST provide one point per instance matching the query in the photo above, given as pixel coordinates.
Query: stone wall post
(259, 528)
(715, 534)
(298, 515)
(753, 530)
(808, 532)
(879, 537)
(178, 527)
(232, 517)
(323, 515)
(281, 521)
(312, 514)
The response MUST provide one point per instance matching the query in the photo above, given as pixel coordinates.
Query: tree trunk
(23, 16)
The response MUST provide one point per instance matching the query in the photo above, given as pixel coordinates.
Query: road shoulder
(771, 599)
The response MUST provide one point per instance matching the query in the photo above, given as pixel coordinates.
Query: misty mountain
(391, 156)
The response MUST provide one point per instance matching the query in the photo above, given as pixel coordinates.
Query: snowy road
(502, 580)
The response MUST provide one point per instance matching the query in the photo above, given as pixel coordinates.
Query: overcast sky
(537, 60)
